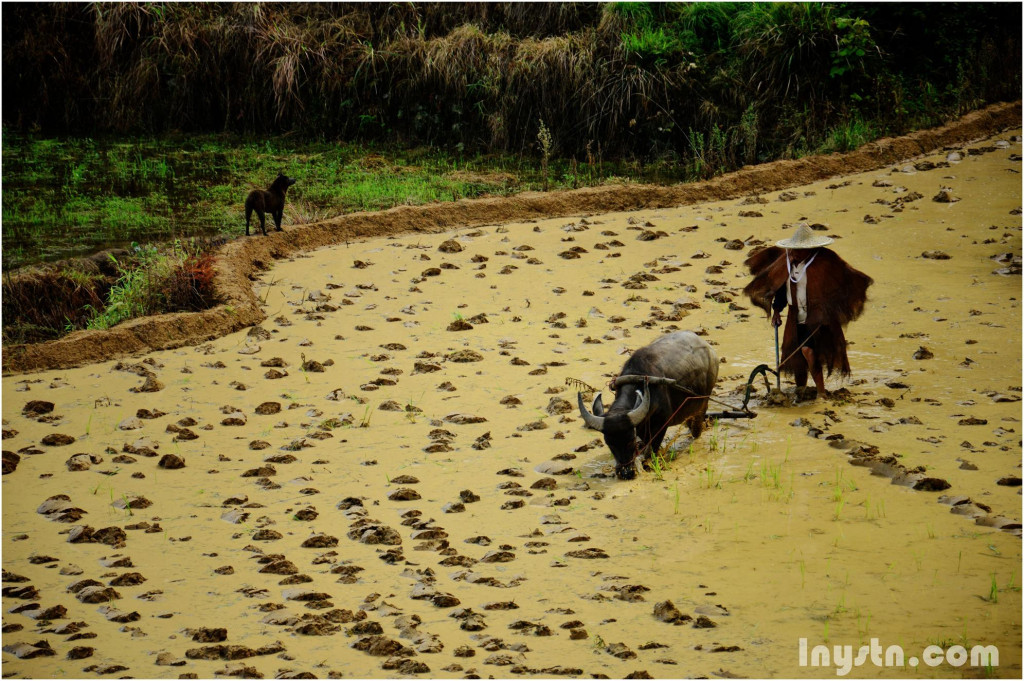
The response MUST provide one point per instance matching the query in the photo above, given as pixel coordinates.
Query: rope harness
(671, 383)
(743, 412)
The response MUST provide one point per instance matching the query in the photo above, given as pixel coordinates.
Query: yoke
(742, 413)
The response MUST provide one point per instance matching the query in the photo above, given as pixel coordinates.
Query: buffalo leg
(697, 422)
(656, 441)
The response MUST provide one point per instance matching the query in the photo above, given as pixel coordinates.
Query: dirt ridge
(240, 260)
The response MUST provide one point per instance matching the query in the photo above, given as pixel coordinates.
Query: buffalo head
(618, 425)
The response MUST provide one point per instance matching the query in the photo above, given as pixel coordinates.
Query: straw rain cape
(836, 293)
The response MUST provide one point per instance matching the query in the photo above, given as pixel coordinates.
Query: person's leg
(799, 374)
(800, 364)
(816, 372)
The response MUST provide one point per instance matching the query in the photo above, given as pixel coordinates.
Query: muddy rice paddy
(389, 477)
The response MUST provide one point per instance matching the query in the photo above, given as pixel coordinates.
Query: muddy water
(436, 418)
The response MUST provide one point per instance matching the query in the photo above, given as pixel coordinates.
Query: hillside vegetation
(714, 85)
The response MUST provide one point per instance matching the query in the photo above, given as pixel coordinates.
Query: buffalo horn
(639, 412)
(595, 422)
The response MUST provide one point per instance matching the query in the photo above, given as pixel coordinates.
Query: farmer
(823, 295)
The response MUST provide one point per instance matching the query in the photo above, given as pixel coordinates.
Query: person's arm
(779, 304)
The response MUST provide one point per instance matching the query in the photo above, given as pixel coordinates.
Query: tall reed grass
(774, 78)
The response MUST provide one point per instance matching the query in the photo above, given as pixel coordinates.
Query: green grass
(71, 196)
(848, 136)
(711, 478)
(771, 479)
(135, 293)
(749, 474)
(659, 461)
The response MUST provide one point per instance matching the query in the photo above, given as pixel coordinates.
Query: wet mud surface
(388, 475)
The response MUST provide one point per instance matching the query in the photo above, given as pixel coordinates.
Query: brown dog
(268, 201)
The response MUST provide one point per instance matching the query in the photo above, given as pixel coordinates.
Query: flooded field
(389, 477)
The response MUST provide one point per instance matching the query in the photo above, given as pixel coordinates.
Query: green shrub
(155, 280)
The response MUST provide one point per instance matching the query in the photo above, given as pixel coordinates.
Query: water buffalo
(636, 421)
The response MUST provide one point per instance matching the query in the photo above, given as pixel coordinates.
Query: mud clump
(171, 462)
(57, 440)
(621, 651)
(37, 408)
(96, 594)
(589, 553)
(380, 646)
(28, 651)
(404, 494)
(375, 534)
(923, 353)
(150, 385)
(268, 408)
(128, 579)
(464, 356)
(209, 635)
(703, 622)
(320, 541)
(931, 485)
(10, 462)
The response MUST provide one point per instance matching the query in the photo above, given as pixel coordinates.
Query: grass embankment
(71, 196)
(47, 302)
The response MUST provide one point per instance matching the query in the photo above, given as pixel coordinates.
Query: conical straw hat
(803, 237)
